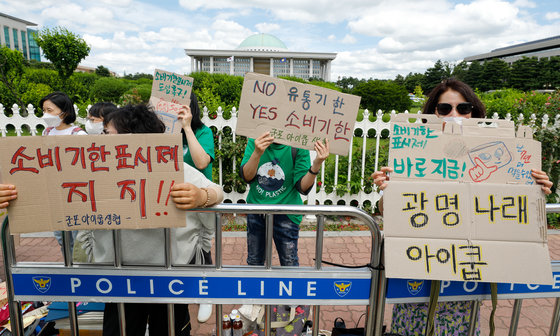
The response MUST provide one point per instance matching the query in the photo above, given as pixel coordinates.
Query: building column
(211, 64)
(192, 65)
(291, 66)
(232, 65)
(2, 39)
(271, 71)
(20, 41)
(27, 46)
(328, 74)
(310, 67)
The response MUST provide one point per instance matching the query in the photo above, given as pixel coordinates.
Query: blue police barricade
(216, 284)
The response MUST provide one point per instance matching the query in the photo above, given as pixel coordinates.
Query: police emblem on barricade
(342, 287)
(414, 286)
(42, 284)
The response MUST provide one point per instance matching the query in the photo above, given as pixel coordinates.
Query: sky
(372, 38)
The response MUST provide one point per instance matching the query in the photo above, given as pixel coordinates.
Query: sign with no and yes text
(296, 114)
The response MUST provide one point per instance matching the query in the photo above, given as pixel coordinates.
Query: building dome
(262, 42)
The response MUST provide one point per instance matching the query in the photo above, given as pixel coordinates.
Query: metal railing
(378, 289)
(74, 282)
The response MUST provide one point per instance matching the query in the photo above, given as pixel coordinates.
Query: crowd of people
(276, 174)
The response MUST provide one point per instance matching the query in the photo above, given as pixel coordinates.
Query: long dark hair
(134, 119)
(479, 111)
(196, 122)
(64, 103)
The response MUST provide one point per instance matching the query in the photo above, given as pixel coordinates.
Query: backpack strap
(434, 295)
(76, 129)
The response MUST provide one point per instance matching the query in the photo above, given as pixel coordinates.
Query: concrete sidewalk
(350, 248)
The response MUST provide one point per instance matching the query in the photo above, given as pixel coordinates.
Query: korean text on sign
(298, 114)
(94, 181)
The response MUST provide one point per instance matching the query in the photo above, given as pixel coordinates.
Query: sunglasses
(462, 108)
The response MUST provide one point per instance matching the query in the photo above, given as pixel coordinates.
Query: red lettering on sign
(171, 152)
(73, 190)
(20, 167)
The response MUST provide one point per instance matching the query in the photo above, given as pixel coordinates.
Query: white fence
(27, 119)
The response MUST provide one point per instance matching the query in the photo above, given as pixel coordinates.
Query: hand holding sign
(262, 142)
(185, 116)
(323, 151)
(188, 196)
(481, 172)
(8, 193)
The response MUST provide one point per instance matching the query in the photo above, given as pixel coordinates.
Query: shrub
(34, 92)
(108, 89)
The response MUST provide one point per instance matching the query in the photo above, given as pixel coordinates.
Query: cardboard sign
(172, 87)
(167, 112)
(296, 114)
(462, 204)
(92, 182)
(169, 92)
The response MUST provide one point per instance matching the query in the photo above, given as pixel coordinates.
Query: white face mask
(457, 120)
(51, 120)
(94, 128)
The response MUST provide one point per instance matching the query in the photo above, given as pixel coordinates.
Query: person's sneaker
(204, 312)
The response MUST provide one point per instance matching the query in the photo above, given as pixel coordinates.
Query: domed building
(265, 54)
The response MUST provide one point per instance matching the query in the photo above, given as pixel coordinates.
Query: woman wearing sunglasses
(450, 100)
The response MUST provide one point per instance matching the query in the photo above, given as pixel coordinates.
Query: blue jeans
(285, 236)
(58, 236)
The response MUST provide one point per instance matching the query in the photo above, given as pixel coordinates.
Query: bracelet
(312, 172)
(207, 203)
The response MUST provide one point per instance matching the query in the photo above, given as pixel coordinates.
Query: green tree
(11, 71)
(108, 89)
(139, 94)
(63, 48)
(383, 95)
(412, 80)
(550, 72)
(434, 75)
(494, 75)
(102, 71)
(215, 90)
(418, 93)
(399, 79)
(460, 71)
(473, 76)
(139, 75)
(34, 64)
(525, 74)
(347, 84)
(34, 92)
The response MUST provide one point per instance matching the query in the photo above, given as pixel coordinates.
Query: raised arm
(323, 151)
(380, 179)
(261, 144)
(200, 158)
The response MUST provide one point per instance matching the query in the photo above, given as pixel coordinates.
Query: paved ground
(339, 248)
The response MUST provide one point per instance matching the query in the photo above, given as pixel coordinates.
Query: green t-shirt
(277, 175)
(205, 137)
